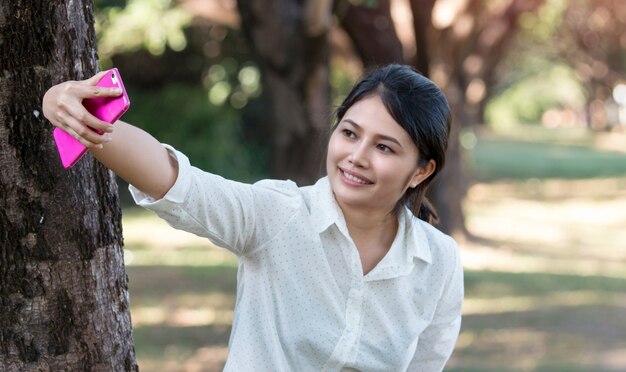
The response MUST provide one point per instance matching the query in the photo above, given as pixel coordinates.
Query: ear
(422, 173)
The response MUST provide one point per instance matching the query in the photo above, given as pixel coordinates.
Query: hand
(62, 105)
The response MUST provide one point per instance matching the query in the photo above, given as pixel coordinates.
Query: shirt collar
(324, 208)
(409, 248)
(417, 245)
(411, 238)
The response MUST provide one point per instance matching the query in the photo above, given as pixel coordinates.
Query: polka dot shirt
(303, 303)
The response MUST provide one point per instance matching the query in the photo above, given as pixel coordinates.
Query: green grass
(496, 159)
(493, 284)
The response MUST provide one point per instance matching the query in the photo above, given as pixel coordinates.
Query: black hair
(420, 107)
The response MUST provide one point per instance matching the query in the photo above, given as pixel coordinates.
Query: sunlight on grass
(143, 228)
(204, 256)
(151, 241)
(568, 226)
(529, 303)
(180, 316)
(207, 358)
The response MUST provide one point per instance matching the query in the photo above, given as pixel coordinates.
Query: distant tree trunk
(591, 40)
(459, 46)
(290, 41)
(372, 31)
(63, 290)
(450, 187)
(422, 11)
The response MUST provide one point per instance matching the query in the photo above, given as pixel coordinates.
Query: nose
(359, 155)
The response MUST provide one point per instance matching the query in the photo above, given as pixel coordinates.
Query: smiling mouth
(354, 178)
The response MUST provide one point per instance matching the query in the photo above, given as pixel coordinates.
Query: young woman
(342, 275)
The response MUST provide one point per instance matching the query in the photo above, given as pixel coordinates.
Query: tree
(591, 40)
(291, 44)
(63, 289)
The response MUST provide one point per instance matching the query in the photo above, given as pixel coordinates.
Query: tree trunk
(462, 50)
(372, 31)
(295, 68)
(63, 289)
(450, 186)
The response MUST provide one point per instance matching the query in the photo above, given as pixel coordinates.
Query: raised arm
(130, 152)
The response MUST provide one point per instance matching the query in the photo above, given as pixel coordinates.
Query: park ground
(545, 268)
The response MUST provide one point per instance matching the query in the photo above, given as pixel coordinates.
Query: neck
(373, 226)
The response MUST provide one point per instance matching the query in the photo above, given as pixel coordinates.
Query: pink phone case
(108, 109)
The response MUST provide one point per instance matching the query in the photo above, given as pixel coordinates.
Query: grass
(545, 276)
(542, 154)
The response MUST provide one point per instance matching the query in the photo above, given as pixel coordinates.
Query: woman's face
(371, 159)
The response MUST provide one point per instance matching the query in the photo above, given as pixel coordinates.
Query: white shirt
(303, 303)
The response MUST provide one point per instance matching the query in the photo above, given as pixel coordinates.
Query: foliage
(200, 117)
(524, 102)
(341, 82)
(160, 26)
(567, 57)
(211, 136)
(543, 24)
(123, 26)
(230, 82)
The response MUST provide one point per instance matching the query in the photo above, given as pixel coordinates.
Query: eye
(348, 133)
(384, 148)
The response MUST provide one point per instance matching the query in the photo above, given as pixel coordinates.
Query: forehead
(372, 116)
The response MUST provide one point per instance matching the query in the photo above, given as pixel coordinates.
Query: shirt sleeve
(237, 216)
(436, 343)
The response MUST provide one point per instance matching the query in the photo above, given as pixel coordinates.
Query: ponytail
(419, 205)
(427, 212)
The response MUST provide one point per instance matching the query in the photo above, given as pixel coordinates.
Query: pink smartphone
(108, 109)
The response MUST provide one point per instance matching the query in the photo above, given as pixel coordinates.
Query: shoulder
(280, 192)
(288, 188)
(436, 236)
(442, 247)
(280, 187)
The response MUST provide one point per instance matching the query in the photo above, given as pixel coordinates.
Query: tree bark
(372, 31)
(63, 290)
(450, 186)
(295, 69)
(422, 13)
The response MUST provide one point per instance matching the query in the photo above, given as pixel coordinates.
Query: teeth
(355, 179)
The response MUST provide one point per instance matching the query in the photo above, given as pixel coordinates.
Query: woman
(341, 275)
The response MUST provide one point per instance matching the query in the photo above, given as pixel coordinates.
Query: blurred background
(534, 189)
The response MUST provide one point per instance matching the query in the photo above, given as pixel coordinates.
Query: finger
(96, 78)
(82, 140)
(86, 118)
(84, 134)
(94, 91)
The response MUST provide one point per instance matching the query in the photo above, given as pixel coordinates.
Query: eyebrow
(388, 138)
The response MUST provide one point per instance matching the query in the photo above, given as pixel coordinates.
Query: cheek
(330, 155)
(334, 149)
(397, 174)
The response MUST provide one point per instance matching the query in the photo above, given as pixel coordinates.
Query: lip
(351, 182)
